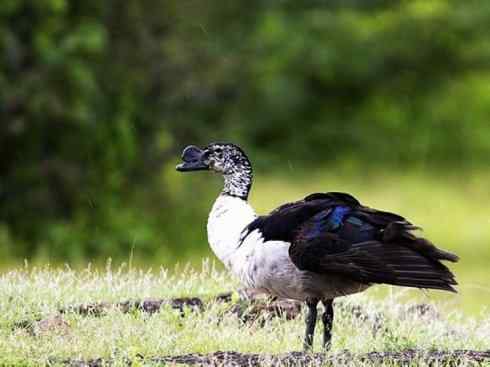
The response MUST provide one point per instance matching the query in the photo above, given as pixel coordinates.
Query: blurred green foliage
(97, 98)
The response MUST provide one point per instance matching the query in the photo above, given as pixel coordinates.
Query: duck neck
(238, 182)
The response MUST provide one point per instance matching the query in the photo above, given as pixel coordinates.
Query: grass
(452, 209)
(31, 293)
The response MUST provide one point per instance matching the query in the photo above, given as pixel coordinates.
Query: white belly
(268, 267)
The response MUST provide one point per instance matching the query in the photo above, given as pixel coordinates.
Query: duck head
(225, 158)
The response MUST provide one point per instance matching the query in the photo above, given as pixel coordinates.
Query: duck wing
(282, 223)
(334, 233)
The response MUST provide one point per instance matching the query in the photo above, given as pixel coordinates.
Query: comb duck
(324, 246)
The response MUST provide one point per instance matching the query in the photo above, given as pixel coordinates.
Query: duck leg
(310, 323)
(327, 319)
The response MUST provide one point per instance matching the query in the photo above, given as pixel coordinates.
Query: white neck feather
(227, 219)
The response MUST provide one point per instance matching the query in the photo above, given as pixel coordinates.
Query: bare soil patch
(257, 310)
(235, 359)
(252, 310)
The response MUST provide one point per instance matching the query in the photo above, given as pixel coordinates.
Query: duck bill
(191, 166)
(193, 158)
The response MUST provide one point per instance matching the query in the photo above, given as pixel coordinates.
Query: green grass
(26, 294)
(452, 208)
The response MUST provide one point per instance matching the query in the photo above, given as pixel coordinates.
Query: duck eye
(206, 154)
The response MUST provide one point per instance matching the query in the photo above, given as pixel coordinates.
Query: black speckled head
(225, 158)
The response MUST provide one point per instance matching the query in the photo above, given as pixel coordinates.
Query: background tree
(98, 97)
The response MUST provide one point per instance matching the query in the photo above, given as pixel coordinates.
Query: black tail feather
(401, 264)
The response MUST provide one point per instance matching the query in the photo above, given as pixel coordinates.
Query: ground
(33, 331)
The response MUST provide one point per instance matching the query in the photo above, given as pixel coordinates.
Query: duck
(313, 250)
